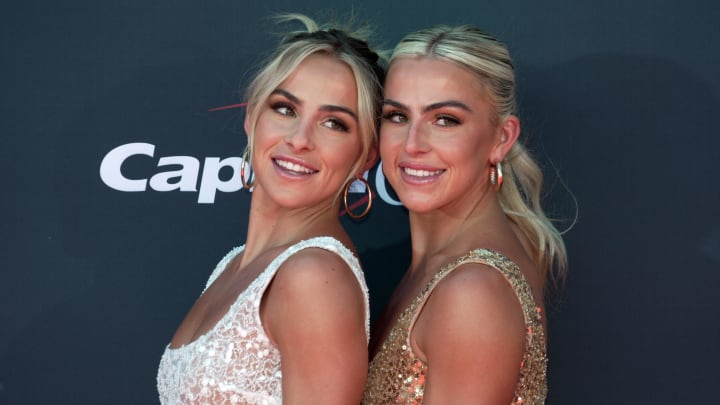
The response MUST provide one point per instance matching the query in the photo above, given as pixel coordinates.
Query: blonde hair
(489, 59)
(346, 46)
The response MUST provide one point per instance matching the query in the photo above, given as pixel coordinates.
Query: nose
(416, 140)
(300, 136)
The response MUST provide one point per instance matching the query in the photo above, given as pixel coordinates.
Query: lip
(293, 167)
(415, 173)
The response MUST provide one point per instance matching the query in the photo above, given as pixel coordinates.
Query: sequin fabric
(397, 376)
(235, 362)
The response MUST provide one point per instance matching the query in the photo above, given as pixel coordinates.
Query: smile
(293, 167)
(421, 173)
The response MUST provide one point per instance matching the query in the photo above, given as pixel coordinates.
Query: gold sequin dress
(397, 376)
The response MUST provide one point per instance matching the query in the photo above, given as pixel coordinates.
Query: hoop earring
(496, 176)
(246, 185)
(345, 199)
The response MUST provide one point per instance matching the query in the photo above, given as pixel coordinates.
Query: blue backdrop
(619, 100)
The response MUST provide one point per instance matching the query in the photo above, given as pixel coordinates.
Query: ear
(246, 124)
(372, 159)
(508, 133)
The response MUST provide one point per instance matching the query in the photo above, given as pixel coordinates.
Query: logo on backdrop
(190, 174)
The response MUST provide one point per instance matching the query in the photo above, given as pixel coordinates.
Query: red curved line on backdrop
(227, 107)
(354, 205)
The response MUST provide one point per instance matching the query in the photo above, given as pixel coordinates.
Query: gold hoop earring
(246, 185)
(496, 176)
(348, 209)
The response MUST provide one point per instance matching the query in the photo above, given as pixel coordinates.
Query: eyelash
(278, 107)
(336, 122)
(287, 110)
(398, 117)
(394, 116)
(451, 121)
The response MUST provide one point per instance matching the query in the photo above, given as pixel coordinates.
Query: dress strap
(260, 284)
(495, 260)
(222, 264)
(332, 245)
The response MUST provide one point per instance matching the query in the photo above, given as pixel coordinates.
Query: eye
(335, 124)
(284, 109)
(447, 121)
(395, 116)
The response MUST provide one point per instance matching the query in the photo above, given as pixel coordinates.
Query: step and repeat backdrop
(121, 187)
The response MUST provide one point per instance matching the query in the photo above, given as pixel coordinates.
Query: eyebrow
(337, 108)
(288, 95)
(326, 107)
(431, 107)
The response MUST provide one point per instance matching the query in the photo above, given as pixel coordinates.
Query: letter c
(111, 165)
(381, 189)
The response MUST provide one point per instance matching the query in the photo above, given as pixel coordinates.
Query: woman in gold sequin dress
(465, 325)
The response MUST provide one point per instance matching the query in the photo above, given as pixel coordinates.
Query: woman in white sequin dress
(284, 318)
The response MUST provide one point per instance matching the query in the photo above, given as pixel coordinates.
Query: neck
(271, 225)
(452, 231)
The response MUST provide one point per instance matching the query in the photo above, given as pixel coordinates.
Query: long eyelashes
(336, 124)
(284, 109)
(288, 110)
(394, 116)
(447, 121)
(441, 120)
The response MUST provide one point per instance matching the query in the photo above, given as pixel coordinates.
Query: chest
(217, 300)
(405, 295)
(234, 359)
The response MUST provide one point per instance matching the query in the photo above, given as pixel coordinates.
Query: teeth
(293, 167)
(421, 173)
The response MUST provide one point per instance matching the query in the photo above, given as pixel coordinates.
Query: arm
(314, 312)
(472, 335)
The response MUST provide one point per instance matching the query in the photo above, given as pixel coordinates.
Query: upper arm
(314, 311)
(472, 334)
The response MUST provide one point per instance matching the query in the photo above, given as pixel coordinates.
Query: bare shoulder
(315, 267)
(477, 285)
(471, 334)
(314, 312)
(313, 287)
(474, 303)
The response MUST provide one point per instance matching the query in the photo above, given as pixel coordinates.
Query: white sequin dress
(235, 362)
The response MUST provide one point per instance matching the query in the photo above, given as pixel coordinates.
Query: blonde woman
(284, 318)
(466, 323)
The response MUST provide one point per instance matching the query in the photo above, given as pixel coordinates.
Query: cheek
(390, 141)
(269, 134)
(473, 162)
(263, 129)
(344, 156)
(271, 125)
(387, 151)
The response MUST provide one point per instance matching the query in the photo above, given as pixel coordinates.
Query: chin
(419, 204)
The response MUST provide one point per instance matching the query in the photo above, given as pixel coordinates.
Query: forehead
(428, 80)
(324, 79)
